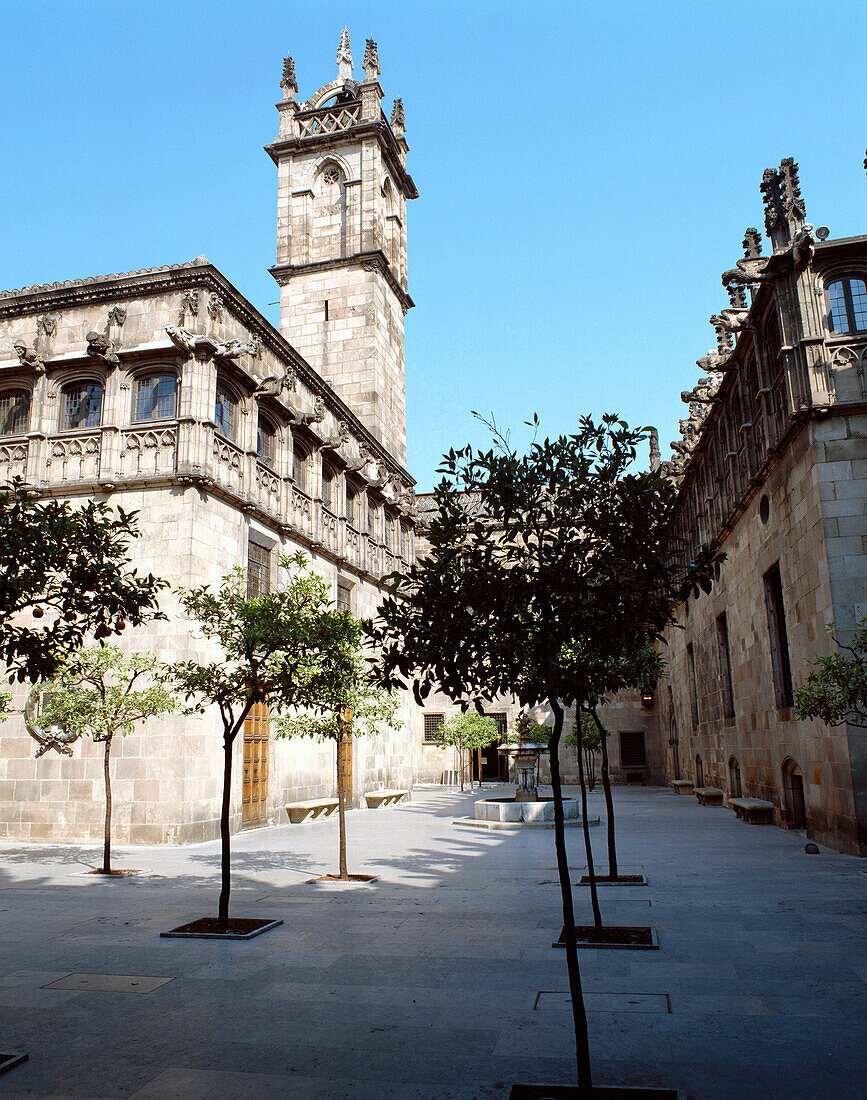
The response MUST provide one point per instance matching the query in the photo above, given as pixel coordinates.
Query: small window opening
(325, 303)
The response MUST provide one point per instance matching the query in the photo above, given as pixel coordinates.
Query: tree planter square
(621, 937)
(601, 1092)
(10, 1061)
(207, 928)
(621, 880)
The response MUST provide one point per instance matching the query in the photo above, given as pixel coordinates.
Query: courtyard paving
(439, 980)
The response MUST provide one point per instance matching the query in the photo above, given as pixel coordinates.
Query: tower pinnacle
(344, 56)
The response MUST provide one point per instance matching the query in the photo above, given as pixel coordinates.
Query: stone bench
(755, 811)
(709, 796)
(310, 809)
(375, 799)
(681, 786)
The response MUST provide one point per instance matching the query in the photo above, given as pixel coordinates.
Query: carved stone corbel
(100, 347)
(29, 358)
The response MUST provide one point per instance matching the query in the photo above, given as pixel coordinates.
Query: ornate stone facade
(772, 469)
(165, 392)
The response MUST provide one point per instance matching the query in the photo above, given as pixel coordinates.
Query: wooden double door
(254, 805)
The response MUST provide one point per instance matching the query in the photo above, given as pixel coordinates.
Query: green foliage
(468, 732)
(99, 692)
(836, 689)
(343, 698)
(530, 732)
(548, 574)
(5, 701)
(272, 645)
(68, 569)
(591, 739)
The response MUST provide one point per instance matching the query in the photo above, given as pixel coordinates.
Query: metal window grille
(433, 723)
(693, 685)
(82, 405)
(632, 753)
(299, 469)
(14, 412)
(265, 443)
(258, 570)
(156, 397)
(502, 724)
(725, 666)
(344, 596)
(780, 666)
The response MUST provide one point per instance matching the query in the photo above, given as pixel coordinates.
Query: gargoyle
(55, 737)
(315, 417)
(234, 349)
(100, 347)
(182, 338)
(336, 439)
(358, 464)
(28, 358)
(803, 246)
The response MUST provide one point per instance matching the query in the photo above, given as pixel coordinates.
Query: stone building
(165, 392)
(772, 469)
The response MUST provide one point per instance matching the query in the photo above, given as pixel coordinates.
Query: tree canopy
(836, 689)
(68, 569)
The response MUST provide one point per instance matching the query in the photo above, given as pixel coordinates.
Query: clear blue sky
(586, 171)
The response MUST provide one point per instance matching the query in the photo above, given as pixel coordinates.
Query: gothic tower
(341, 239)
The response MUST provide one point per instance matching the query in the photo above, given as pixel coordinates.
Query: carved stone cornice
(198, 275)
(369, 261)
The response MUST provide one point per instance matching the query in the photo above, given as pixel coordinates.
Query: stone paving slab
(425, 984)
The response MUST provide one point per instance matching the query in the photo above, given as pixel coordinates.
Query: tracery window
(156, 397)
(82, 405)
(847, 302)
(299, 468)
(14, 412)
(225, 411)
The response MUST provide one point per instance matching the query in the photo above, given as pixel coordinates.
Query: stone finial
(865, 160)
(773, 200)
(752, 243)
(398, 122)
(371, 61)
(655, 455)
(344, 55)
(288, 82)
(790, 188)
(737, 295)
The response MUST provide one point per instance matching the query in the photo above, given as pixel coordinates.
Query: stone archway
(793, 789)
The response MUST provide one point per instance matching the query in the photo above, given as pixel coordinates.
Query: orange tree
(544, 569)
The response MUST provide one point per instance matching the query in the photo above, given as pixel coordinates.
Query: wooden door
(345, 749)
(254, 806)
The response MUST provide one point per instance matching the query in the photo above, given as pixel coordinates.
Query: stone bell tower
(341, 239)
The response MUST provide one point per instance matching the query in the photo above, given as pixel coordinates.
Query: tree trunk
(579, 1014)
(590, 765)
(609, 801)
(226, 857)
(341, 808)
(106, 851)
(591, 873)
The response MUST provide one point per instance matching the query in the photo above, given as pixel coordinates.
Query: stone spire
(344, 56)
(288, 82)
(655, 456)
(371, 61)
(398, 122)
(752, 243)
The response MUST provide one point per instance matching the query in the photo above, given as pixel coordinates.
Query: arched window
(82, 405)
(265, 442)
(699, 772)
(847, 303)
(793, 785)
(734, 778)
(156, 397)
(14, 412)
(299, 468)
(225, 411)
(352, 496)
(329, 485)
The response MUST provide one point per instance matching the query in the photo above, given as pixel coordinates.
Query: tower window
(847, 301)
(331, 174)
(325, 304)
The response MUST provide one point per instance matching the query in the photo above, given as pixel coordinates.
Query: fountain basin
(507, 813)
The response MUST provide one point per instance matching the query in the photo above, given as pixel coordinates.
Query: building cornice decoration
(47, 326)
